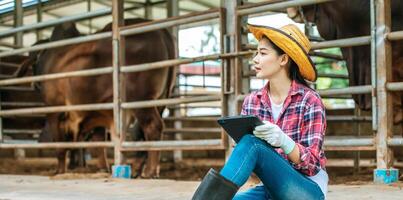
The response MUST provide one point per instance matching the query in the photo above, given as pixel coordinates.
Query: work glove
(273, 135)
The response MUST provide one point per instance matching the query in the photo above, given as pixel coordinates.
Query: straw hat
(293, 42)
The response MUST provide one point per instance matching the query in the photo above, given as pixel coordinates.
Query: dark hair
(294, 72)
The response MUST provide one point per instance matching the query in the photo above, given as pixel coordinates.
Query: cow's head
(315, 14)
(303, 14)
(65, 30)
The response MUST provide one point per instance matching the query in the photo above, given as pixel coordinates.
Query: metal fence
(232, 53)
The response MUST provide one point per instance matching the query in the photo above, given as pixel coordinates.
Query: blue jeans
(280, 179)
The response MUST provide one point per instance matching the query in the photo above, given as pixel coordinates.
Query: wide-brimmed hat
(293, 42)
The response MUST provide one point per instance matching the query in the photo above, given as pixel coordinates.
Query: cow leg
(101, 153)
(77, 158)
(140, 156)
(61, 159)
(151, 123)
(53, 132)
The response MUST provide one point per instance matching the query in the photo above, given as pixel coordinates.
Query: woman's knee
(248, 138)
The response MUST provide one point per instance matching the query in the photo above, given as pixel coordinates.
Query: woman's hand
(273, 135)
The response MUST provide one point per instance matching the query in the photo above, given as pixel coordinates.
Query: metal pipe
(330, 92)
(321, 75)
(348, 141)
(349, 42)
(173, 62)
(277, 6)
(197, 93)
(164, 102)
(55, 109)
(57, 145)
(9, 45)
(394, 86)
(175, 21)
(348, 90)
(18, 21)
(192, 130)
(349, 118)
(190, 118)
(22, 131)
(192, 107)
(210, 144)
(354, 148)
(118, 59)
(326, 55)
(395, 141)
(373, 65)
(80, 73)
(396, 35)
(125, 69)
(49, 23)
(59, 43)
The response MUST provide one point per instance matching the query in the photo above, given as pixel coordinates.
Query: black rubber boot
(215, 187)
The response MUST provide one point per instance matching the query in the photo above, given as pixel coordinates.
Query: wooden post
(118, 170)
(242, 39)
(384, 155)
(231, 71)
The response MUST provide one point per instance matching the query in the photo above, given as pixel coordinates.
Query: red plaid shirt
(302, 118)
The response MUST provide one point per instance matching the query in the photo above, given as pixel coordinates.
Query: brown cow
(147, 85)
(344, 19)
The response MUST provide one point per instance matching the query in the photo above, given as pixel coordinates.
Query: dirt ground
(34, 179)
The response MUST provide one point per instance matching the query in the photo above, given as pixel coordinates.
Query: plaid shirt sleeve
(312, 134)
(246, 105)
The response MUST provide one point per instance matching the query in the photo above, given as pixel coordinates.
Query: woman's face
(267, 62)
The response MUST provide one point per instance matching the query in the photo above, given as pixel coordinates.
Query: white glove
(273, 135)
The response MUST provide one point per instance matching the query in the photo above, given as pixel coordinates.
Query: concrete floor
(17, 187)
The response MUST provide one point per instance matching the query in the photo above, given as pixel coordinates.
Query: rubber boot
(215, 187)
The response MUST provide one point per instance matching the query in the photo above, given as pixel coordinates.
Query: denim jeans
(280, 179)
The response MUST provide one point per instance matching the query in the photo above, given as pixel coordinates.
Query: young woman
(286, 152)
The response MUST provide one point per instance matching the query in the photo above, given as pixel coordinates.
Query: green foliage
(329, 66)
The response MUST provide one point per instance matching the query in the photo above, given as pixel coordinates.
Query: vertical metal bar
(231, 75)
(173, 10)
(90, 19)
(18, 21)
(18, 40)
(117, 21)
(373, 66)
(1, 124)
(148, 10)
(357, 128)
(39, 19)
(384, 155)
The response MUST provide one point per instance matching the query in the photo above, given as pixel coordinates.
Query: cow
(140, 86)
(344, 19)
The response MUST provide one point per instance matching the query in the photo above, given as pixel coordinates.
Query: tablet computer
(238, 126)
